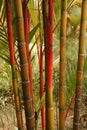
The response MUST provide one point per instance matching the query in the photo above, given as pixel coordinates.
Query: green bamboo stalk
(30, 121)
(48, 22)
(62, 83)
(13, 67)
(80, 66)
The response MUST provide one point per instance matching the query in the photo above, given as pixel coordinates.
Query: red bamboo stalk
(48, 23)
(41, 73)
(27, 30)
(42, 87)
(13, 67)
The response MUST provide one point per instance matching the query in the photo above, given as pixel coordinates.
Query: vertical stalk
(62, 83)
(48, 22)
(30, 121)
(80, 66)
(41, 72)
(27, 30)
(42, 87)
(13, 67)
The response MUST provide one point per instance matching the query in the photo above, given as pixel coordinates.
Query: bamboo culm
(62, 73)
(48, 24)
(30, 123)
(13, 67)
(80, 66)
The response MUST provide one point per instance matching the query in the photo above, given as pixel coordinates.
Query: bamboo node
(77, 124)
(62, 62)
(24, 64)
(79, 86)
(28, 100)
(62, 109)
(78, 99)
(80, 72)
(62, 86)
(18, 18)
(25, 82)
(29, 118)
(81, 54)
(14, 78)
(63, 37)
(83, 36)
(51, 108)
(21, 42)
(78, 109)
(18, 111)
(64, 11)
(82, 21)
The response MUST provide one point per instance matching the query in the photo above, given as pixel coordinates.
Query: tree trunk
(13, 67)
(62, 83)
(80, 66)
(30, 121)
(48, 22)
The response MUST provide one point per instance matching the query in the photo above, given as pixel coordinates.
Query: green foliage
(70, 80)
(55, 82)
(4, 52)
(32, 32)
(5, 76)
(75, 16)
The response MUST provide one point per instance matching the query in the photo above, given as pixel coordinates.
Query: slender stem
(62, 83)
(27, 30)
(71, 101)
(41, 72)
(80, 66)
(48, 23)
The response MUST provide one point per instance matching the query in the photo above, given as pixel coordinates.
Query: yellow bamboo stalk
(80, 66)
(62, 83)
(30, 121)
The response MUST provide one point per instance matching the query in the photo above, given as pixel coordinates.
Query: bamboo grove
(24, 32)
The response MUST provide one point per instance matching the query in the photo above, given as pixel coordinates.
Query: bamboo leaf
(33, 31)
(5, 59)
(33, 9)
